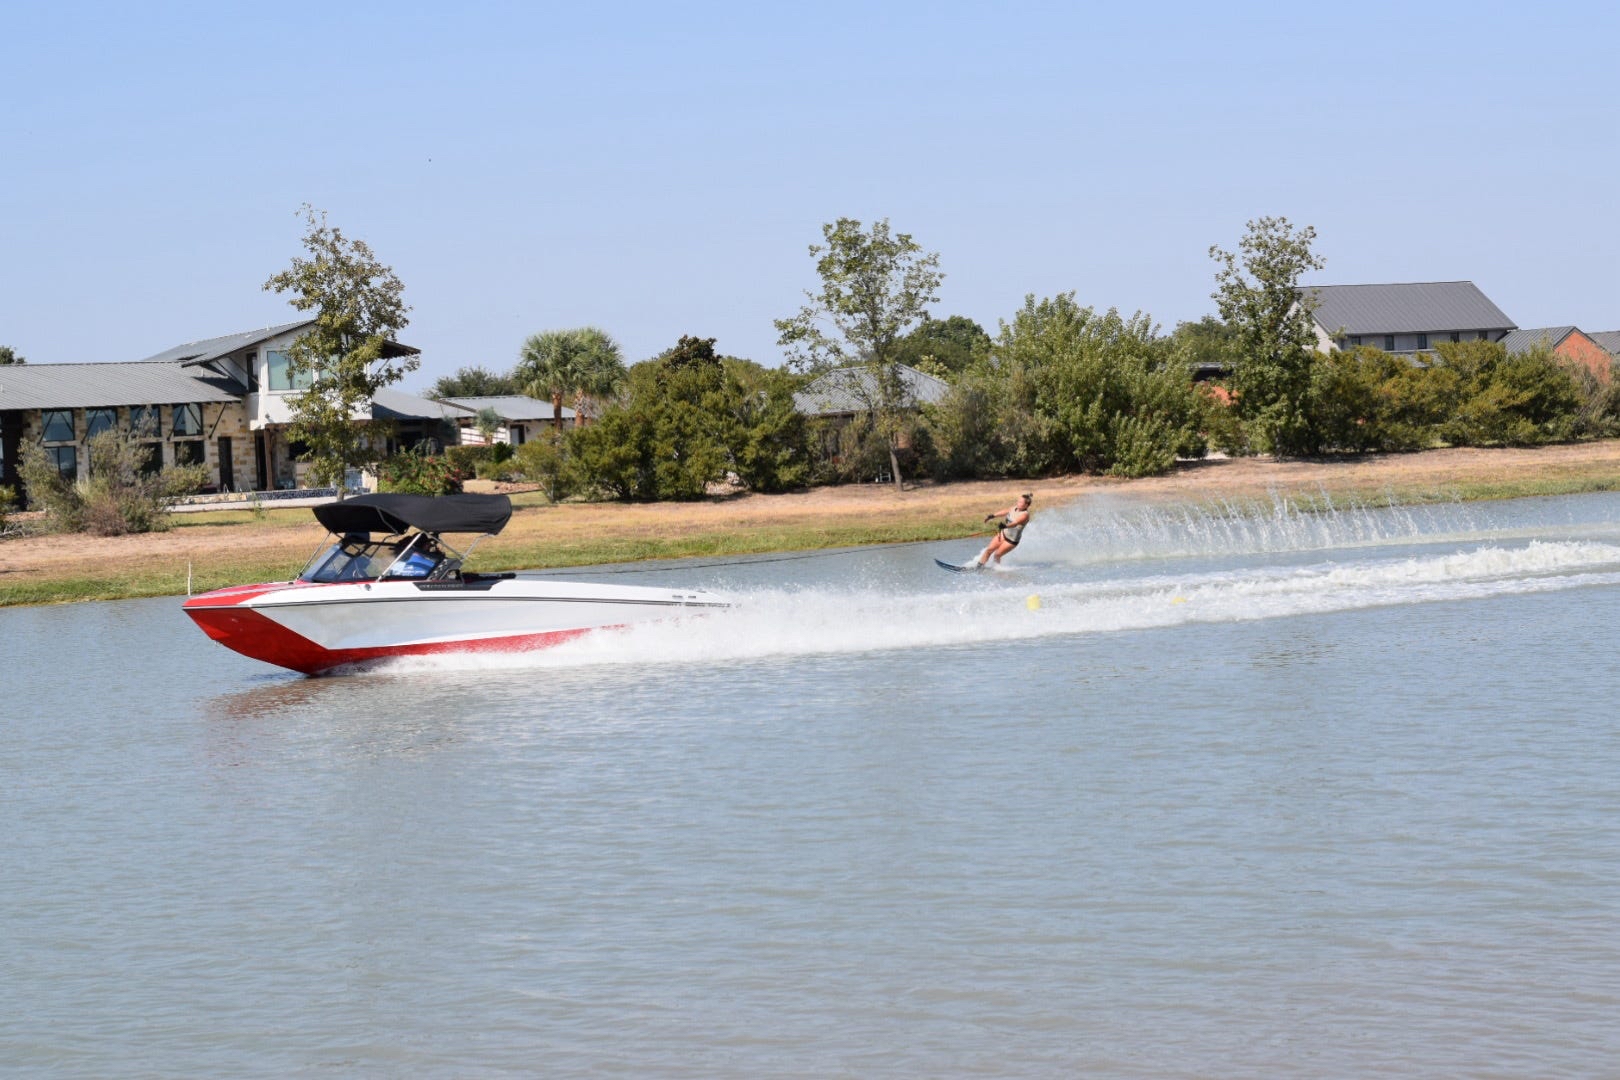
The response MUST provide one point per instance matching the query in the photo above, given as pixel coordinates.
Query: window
(280, 379)
(56, 425)
(66, 460)
(250, 361)
(1455, 336)
(1355, 341)
(143, 421)
(1423, 341)
(1482, 336)
(189, 452)
(1389, 342)
(187, 420)
(98, 420)
(151, 459)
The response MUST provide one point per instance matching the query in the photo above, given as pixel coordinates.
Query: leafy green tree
(473, 382)
(874, 285)
(1208, 343)
(688, 419)
(1114, 402)
(1257, 293)
(358, 305)
(943, 347)
(580, 363)
(8, 355)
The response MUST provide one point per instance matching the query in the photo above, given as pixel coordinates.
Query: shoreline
(234, 547)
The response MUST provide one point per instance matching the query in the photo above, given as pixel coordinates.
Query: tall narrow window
(1423, 341)
(250, 361)
(56, 425)
(66, 460)
(98, 420)
(1389, 342)
(144, 421)
(187, 420)
(1455, 336)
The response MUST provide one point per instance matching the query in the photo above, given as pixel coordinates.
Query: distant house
(222, 402)
(1404, 318)
(522, 418)
(1608, 341)
(848, 391)
(1568, 343)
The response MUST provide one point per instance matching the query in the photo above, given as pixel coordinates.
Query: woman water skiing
(1013, 520)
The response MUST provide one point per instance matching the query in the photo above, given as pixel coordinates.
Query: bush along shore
(233, 547)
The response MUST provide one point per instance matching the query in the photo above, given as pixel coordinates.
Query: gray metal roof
(853, 389)
(1524, 340)
(96, 386)
(517, 407)
(1425, 307)
(200, 352)
(389, 404)
(1607, 340)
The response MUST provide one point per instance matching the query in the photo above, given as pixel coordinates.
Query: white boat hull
(316, 627)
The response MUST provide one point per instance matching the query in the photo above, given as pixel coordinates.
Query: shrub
(549, 462)
(412, 472)
(7, 497)
(116, 495)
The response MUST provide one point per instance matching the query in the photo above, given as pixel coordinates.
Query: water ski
(965, 568)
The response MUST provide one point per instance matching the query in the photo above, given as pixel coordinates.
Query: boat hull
(313, 628)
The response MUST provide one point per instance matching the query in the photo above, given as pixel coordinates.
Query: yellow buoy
(1033, 603)
(1178, 600)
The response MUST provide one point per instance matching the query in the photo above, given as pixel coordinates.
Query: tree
(358, 306)
(583, 362)
(8, 355)
(874, 285)
(1257, 292)
(943, 347)
(488, 422)
(473, 382)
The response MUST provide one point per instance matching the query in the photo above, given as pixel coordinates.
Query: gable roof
(1411, 307)
(101, 386)
(516, 407)
(1607, 340)
(1524, 340)
(201, 352)
(852, 389)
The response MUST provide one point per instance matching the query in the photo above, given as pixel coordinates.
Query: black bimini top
(431, 513)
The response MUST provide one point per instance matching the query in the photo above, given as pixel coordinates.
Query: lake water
(1259, 793)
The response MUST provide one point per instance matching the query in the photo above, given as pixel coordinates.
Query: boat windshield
(357, 557)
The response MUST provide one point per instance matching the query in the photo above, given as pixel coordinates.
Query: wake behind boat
(388, 585)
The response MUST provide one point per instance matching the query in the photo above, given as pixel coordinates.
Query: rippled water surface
(1251, 793)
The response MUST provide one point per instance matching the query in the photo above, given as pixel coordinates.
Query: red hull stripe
(248, 632)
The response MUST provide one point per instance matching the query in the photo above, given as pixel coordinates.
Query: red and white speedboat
(388, 585)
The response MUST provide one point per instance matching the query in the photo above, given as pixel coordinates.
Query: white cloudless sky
(660, 169)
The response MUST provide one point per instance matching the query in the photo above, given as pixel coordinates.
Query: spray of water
(1101, 568)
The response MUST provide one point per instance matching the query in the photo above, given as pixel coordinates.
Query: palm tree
(549, 367)
(601, 369)
(582, 363)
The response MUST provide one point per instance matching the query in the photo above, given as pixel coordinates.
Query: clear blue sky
(660, 169)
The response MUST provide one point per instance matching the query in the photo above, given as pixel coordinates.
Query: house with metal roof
(845, 392)
(221, 402)
(1569, 344)
(1409, 317)
(1608, 341)
(521, 418)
